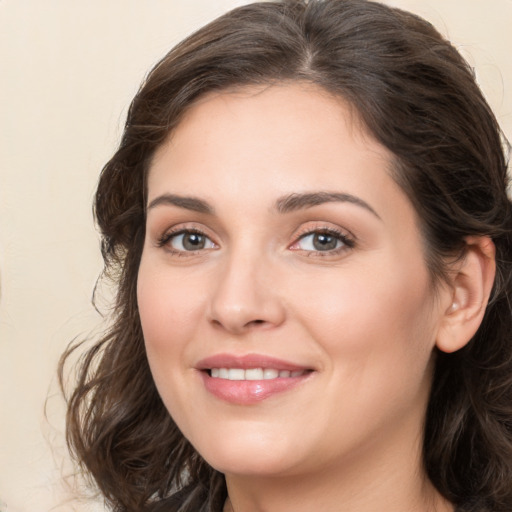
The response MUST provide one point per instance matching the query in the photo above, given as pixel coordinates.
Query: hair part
(416, 96)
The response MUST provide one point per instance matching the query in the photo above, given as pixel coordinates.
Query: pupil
(193, 241)
(324, 242)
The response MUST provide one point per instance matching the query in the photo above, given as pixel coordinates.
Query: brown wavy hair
(418, 98)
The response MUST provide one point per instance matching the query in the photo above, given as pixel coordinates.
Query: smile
(251, 378)
(253, 373)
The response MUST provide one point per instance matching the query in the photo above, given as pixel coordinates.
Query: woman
(308, 221)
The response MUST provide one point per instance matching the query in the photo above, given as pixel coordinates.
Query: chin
(263, 465)
(248, 454)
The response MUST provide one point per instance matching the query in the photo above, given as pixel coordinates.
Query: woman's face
(287, 311)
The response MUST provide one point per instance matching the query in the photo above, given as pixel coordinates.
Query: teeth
(270, 373)
(253, 373)
(236, 374)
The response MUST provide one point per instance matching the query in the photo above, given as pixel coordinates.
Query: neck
(387, 478)
(294, 495)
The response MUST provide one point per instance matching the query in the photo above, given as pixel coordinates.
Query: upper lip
(247, 361)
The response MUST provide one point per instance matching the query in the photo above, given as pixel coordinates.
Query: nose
(246, 296)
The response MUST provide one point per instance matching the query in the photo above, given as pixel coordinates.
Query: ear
(466, 298)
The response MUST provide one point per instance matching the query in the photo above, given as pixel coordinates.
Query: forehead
(264, 130)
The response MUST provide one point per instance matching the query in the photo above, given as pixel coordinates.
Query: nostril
(256, 324)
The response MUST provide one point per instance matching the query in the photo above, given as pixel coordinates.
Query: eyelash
(347, 241)
(166, 238)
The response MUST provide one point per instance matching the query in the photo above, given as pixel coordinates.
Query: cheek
(169, 309)
(376, 334)
(373, 317)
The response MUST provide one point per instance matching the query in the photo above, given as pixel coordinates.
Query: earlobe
(468, 294)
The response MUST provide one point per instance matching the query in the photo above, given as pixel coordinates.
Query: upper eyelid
(167, 234)
(183, 227)
(319, 226)
(332, 232)
(346, 240)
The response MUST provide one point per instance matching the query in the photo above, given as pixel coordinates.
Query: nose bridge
(243, 297)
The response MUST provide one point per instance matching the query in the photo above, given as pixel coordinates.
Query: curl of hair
(416, 95)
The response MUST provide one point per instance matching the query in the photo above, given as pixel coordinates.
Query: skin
(363, 317)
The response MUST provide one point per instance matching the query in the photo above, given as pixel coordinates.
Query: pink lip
(246, 361)
(247, 392)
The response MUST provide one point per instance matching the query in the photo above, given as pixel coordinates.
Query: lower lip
(247, 392)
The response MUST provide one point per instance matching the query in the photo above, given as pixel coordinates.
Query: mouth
(254, 373)
(250, 379)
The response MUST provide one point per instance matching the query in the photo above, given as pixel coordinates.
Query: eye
(319, 242)
(325, 240)
(186, 241)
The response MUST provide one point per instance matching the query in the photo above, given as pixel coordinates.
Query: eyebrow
(285, 204)
(189, 203)
(295, 202)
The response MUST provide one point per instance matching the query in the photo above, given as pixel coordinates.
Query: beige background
(68, 71)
